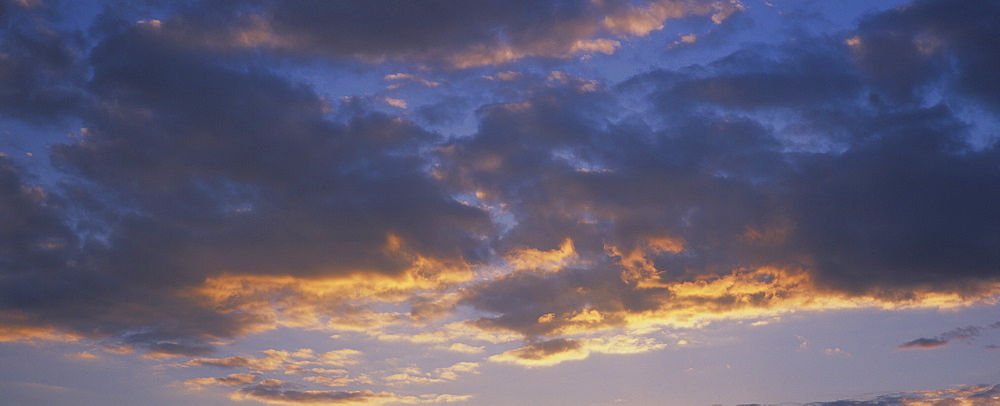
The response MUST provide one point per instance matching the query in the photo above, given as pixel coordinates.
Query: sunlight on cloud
(557, 351)
(13, 327)
(529, 259)
(321, 302)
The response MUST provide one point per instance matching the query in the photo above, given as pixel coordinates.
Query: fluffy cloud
(208, 196)
(236, 175)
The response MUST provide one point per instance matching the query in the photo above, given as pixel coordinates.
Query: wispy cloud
(960, 334)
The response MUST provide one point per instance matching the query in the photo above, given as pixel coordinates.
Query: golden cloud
(557, 351)
(332, 302)
(15, 326)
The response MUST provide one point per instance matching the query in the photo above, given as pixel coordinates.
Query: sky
(531, 202)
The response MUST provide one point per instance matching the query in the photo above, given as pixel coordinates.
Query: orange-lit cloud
(744, 294)
(640, 20)
(229, 380)
(414, 376)
(565, 34)
(542, 261)
(34, 333)
(340, 302)
(557, 351)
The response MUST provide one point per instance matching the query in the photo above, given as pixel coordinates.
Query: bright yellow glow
(542, 355)
(332, 302)
(637, 263)
(543, 261)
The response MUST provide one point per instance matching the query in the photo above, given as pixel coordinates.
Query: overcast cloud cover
(451, 193)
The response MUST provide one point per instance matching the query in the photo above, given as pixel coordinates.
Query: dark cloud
(904, 207)
(449, 111)
(229, 362)
(438, 33)
(813, 75)
(519, 300)
(978, 395)
(961, 333)
(924, 343)
(192, 167)
(545, 349)
(270, 391)
(33, 233)
(783, 157)
(824, 155)
(911, 48)
(40, 65)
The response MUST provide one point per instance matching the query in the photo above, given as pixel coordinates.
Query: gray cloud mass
(848, 156)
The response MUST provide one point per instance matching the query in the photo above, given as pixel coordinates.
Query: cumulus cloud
(195, 191)
(712, 206)
(210, 196)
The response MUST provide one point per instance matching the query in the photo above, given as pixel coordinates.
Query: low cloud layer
(973, 395)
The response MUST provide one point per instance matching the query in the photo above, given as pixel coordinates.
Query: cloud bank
(209, 193)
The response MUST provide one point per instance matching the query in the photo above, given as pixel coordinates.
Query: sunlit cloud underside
(397, 202)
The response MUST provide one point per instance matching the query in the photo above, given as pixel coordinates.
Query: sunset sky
(500, 202)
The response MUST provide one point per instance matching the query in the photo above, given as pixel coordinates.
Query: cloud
(443, 34)
(302, 361)
(414, 376)
(211, 196)
(277, 392)
(961, 333)
(783, 177)
(41, 66)
(229, 362)
(971, 395)
(33, 236)
(905, 50)
(559, 350)
(543, 353)
(273, 391)
(462, 348)
(230, 380)
(174, 201)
